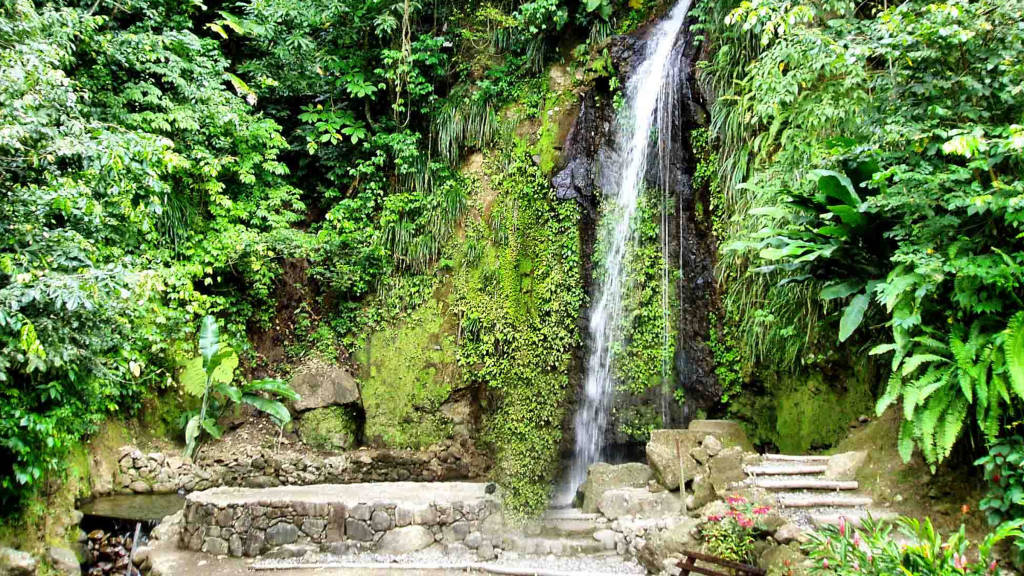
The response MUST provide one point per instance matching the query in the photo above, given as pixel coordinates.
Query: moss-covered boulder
(331, 428)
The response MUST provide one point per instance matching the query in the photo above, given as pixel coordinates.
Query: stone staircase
(562, 532)
(813, 490)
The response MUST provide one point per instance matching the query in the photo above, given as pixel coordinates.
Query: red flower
(745, 522)
(762, 510)
(735, 500)
(715, 518)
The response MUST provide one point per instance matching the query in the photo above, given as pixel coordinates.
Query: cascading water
(649, 104)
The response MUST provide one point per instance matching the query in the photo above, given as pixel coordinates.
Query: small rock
(380, 521)
(473, 540)
(791, 533)
(17, 562)
(711, 445)
(215, 546)
(356, 529)
(486, 551)
(606, 538)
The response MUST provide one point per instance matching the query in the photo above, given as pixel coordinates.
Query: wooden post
(682, 476)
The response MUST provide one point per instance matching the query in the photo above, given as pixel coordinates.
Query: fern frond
(1014, 348)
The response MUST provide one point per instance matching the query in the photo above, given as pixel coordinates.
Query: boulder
(282, 533)
(602, 477)
(405, 540)
(783, 561)
(726, 469)
(16, 563)
(728, 432)
(703, 492)
(320, 384)
(169, 528)
(660, 545)
(330, 428)
(63, 561)
(639, 502)
(665, 459)
(845, 466)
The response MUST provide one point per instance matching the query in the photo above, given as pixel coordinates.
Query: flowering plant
(732, 535)
(871, 550)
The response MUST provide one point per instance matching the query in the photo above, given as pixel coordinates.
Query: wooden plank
(795, 458)
(826, 500)
(805, 484)
(785, 469)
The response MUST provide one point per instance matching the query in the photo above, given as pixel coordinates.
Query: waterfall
(649, 105)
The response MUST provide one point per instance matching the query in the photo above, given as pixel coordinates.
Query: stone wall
(217, 522)
(254, 466)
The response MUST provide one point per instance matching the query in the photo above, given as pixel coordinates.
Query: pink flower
(735, 500)
(842, 526)
(856, 539)
(992, 567)
(715, 518)
(959, 561)
(744, 521)
(824, 563)
(762, 510)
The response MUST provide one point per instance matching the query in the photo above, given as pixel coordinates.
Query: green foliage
(140, 190)
(217, 363)
(908, 232)
(517, 294)
(918, 548)
(330, 428)
(732, 535)
(1004, 499)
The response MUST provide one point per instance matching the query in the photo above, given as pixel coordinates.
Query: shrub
(872, 549)
(732, 535)
(1004, 469)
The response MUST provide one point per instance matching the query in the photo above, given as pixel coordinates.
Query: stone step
(823, 500)
(559, 546)
(854, 518)
(565, 522)
(794, 458)
(788, 469)
(804, 484)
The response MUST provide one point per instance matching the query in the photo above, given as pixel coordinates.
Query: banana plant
(211, 374)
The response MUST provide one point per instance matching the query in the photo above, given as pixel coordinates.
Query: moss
(331, 428)
(408, 371)
(798, 412)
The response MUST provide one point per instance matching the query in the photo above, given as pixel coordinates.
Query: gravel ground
(434, 559)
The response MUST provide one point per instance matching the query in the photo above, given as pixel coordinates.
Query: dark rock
(359, 530)
(282, 533)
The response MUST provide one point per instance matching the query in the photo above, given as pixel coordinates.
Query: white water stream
(646, 115)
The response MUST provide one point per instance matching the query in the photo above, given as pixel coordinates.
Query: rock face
(16, 563)
(726, 469)
(320, 384)
(639, 502)
(845, 466)
(666, 460)
(602, 477)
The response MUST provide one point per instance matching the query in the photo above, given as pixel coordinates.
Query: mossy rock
(331, 428)
(408, 372)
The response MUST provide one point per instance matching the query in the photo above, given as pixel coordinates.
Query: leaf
(852, 316)
(905, 443)
(193, 377)
(836, 185)
(191, 434)
(223, 364)
(841, 290)
(892, 392)
(209, 339)
(273, 386)
(210, 425)
(273, 408)
(1013, 348)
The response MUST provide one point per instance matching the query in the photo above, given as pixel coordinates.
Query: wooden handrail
(688, 565)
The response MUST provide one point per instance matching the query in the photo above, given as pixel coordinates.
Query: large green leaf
(1013, 348)
(275, 409)
(853, 315)
(191, 435)
(193, 376)
(906, 440)
(835, 185)
(209, 338)
(841, 290)
(274, 386)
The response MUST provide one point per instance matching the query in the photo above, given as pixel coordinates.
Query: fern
(1014, 350)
